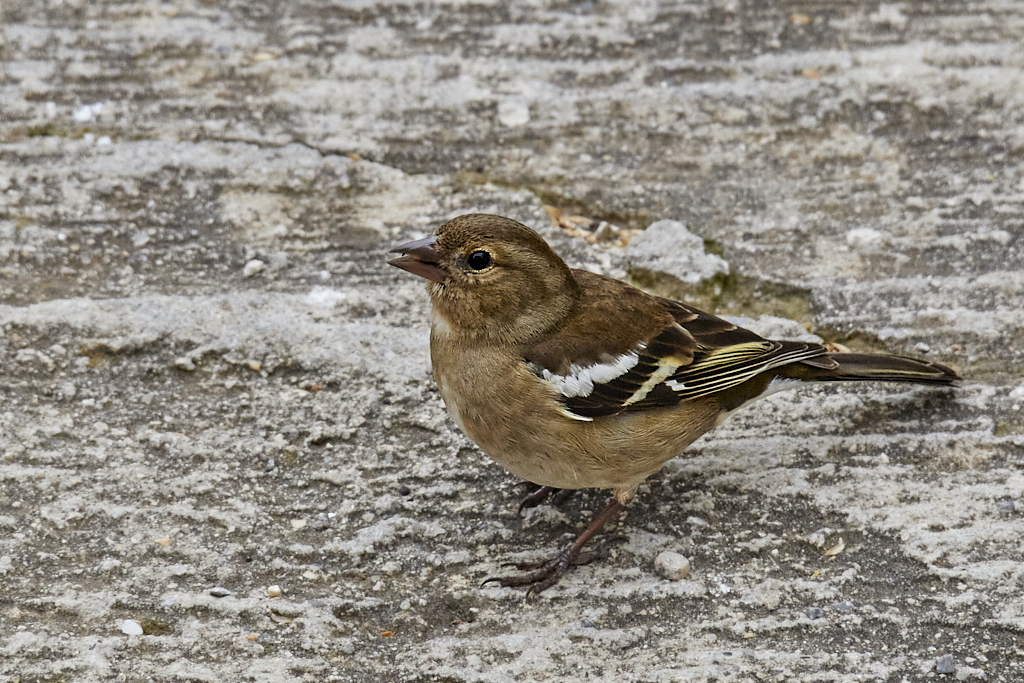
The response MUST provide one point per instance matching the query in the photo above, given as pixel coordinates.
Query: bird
(570, 380)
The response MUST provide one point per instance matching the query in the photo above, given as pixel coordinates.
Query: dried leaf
(837, 548)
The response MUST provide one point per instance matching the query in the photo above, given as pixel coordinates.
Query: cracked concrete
(218, 426)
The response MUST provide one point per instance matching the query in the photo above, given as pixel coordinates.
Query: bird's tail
(854, 367)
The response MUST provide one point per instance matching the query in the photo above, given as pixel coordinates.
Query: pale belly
(515, 420)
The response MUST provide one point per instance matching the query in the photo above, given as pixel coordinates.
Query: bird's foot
(546, 573)
(541, 494)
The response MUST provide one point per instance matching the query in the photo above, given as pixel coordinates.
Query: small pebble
(130, 627)
(1006, 506)
(219, 592)
(945, 664)
(814, 612)
(252, 267)
(672, 566)
(844, 606)
(110, 564)
(274, 591)
(270, 465)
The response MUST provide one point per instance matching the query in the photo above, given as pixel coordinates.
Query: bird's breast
(517, 419)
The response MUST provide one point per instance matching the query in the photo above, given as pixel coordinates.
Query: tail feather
(854, 367)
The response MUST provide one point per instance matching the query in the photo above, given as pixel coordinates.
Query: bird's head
(491, 277)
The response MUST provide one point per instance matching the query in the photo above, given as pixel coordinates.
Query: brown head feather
(525, 290)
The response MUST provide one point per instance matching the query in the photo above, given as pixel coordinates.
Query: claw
(559, 496)
(541, 494)
(602, 551)
(535, 498)
(546, 573)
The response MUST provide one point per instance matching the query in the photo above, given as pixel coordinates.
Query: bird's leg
(546, 573)
(542, 493)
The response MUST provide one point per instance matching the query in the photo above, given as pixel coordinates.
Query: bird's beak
(420, 258)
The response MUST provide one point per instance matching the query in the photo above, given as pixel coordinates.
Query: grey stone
(252, 267)
(666, 246)
(672, 566)
(130, 627)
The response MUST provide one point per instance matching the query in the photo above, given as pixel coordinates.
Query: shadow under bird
(573, 380)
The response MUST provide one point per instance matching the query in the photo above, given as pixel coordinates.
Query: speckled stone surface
(217, 423)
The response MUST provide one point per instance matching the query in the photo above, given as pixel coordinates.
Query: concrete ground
(222, 457)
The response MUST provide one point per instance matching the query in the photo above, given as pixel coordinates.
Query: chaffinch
(572, 380)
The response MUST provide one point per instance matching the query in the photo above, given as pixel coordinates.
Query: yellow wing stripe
(666, 368)
(736, 370)
(732, 355)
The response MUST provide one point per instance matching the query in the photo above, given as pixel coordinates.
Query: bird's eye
(479, 260)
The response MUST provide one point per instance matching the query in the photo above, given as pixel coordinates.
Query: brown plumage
(574, 380)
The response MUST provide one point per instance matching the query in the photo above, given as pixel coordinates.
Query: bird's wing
(730, 355)
(690, 355)
(624, 381)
